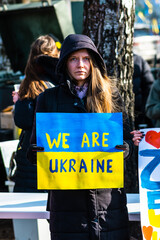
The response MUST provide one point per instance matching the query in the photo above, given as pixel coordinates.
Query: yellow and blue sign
(79, 150)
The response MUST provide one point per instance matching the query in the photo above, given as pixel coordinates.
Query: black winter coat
(142, 82)
(97, 214)
(26, 173)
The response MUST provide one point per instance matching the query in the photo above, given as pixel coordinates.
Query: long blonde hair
(32, 86)
(101, 89)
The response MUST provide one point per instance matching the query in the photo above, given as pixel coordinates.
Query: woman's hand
(32, 153)
(137, 137)
(125, 148)
(15, 96)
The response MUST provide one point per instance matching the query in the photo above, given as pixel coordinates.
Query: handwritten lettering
(94, 140)
(147, 171)
(153, 195)
(57, 142)
(153, 218)
(62, 139)
(85, 139)
(71, 165)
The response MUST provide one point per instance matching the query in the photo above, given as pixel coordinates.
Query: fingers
(136, 132)
(137, 136)
(136, 141)
(15, 96)
(121, 147)
(37, 148)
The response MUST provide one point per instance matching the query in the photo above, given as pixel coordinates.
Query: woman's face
(79, 67)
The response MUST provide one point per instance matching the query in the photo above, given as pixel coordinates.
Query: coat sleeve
(142, 83)
(40, 107)
(153, 102)
(24, 113)
(127, 137)
(146, 82)
(46, 102)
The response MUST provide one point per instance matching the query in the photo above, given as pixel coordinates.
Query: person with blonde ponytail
(89, 214)
(39, 75)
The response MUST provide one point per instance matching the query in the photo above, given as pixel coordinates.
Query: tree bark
(110, 24)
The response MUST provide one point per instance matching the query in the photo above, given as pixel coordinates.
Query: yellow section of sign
(80, 170)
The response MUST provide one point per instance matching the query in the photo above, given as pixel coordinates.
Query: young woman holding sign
(84, 87)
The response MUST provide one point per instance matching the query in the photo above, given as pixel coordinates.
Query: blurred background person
(153, 102)
(142, 82)
(39, 75)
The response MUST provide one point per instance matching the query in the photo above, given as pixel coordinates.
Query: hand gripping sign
(79, 150)
(149, 183)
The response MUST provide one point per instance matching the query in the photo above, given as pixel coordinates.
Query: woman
(39, 75)
(85, 87)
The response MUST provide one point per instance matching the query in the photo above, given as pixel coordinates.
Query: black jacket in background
(26, 173)
(142, 82)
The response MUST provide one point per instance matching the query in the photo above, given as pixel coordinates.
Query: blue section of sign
(153, 200)
(79, 132)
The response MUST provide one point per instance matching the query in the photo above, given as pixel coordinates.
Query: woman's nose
(80, 63)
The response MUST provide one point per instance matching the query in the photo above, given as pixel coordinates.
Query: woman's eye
(87, 58)
(73, 59)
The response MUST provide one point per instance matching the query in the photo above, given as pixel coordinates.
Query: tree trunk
(110, 25)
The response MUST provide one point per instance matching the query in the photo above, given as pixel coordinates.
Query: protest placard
(149, 183)
(79, 150)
